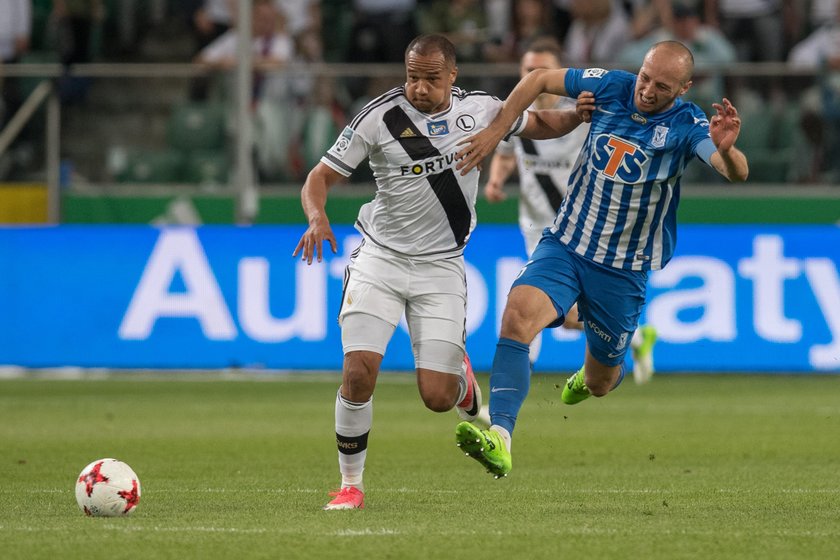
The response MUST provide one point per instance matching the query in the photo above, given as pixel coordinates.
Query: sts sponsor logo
(618, 159)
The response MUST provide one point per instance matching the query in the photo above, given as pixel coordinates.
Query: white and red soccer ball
(107, 488)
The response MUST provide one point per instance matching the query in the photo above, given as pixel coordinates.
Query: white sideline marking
(365, 532)
(199, 529)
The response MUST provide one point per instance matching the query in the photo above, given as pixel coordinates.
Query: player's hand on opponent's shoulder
(585, 106)
(311, 243)
(476, 148)
(725, 125)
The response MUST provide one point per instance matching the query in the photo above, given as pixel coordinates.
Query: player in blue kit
(544, 168)
(617, 223)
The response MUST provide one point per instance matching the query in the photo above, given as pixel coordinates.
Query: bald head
(664, 76)
(675, 56)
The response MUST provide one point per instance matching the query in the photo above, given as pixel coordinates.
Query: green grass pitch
(685, 467)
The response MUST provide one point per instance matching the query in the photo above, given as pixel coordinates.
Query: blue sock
(621, 373)
(509, 382)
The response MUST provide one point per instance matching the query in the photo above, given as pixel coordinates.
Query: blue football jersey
(621, 206)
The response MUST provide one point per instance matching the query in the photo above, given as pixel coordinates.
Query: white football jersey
(423, 206)
(544, 168)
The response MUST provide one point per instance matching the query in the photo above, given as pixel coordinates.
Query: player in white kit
(544, 168)
(414, 233)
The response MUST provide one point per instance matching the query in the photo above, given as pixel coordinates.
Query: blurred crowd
(298, 116)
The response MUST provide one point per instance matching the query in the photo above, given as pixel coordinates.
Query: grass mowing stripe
(437, 491)
(448, 532)
(686, 467)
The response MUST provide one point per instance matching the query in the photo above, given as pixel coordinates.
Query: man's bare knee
(527, 312)
(438, 401)
(438, 390)
(515, 325)
(359, 377)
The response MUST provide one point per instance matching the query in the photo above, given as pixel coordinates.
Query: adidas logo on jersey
(407, 133)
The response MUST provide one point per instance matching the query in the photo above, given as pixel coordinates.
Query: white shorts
(383, 284)
(532, 237)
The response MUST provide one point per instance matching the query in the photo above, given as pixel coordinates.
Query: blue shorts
(610, 300)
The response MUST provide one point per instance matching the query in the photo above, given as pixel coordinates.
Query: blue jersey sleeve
(596, 80)
(700, 140)
(589, 79)
(705, 149)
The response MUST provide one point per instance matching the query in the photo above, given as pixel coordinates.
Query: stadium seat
(275, 126)
(757, 130)
(29, 83)
(319, 133)
(789, 130)
(771, 139)
(196, 126)
(700, 173)
(41, 37)
(768, 166)
(207, 167)
(153, 166)
(768, 135)
(337, 17)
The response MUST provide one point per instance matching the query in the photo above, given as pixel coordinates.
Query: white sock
(534, 348)
(462, 384)
(637, 339)
(352, 425)
(504, 433)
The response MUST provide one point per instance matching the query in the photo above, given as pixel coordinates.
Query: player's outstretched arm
(724, 128)
(501, 167)
(476, 148)
(551, 123)
(313, 198)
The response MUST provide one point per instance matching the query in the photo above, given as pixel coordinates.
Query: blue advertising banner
(734, 298)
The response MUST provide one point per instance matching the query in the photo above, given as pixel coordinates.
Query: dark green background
(342, 208)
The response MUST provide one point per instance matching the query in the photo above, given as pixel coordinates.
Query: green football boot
(485, 446)
(575, 389)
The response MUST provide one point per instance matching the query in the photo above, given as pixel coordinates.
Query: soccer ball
(107, 488)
